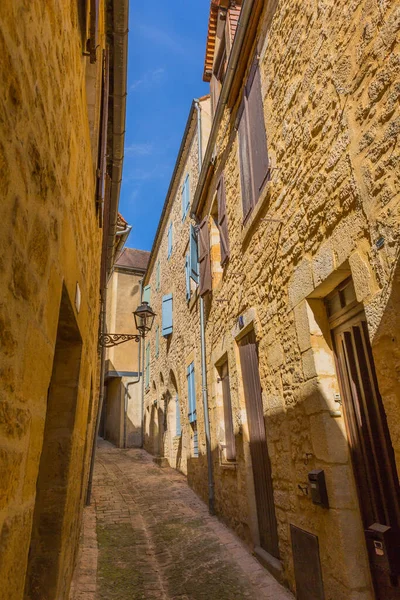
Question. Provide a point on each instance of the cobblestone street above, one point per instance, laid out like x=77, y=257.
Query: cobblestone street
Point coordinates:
x=147, y=536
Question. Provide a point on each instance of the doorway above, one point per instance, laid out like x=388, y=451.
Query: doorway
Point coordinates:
x=258, y=445
x=369, y=439
x=49, y=537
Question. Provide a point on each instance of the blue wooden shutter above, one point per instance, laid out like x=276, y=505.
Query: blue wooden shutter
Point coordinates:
x=178, y=417
x=193, y=255
x=146, y=293
x=157, y=340
x=195, y=443
x=170, y=240
x=191, y=393
x=187, y=277
x=167, y=315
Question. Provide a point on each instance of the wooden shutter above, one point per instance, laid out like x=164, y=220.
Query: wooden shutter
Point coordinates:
x=204, y=258
x=167, y=315
x=222, y=222
x=187, y=193
x=193, y=255
x=183, y=199
x=195, y=443
x=258, y=136
x=146, y=294
x=187, y=277
x=228, y=420
x=245, y=165
x=178, y=417
x=102, y=160
x=258, y=445
x=94, y=29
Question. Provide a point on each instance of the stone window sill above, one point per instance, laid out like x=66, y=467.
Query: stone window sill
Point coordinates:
x=256, y=214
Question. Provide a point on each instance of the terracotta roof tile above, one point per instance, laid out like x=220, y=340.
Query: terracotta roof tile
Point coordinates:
x=233, y=16
x=133, y=258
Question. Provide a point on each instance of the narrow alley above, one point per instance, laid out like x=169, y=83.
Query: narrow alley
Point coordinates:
x=147, y=535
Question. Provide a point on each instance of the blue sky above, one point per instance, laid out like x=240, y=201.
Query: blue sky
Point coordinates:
x=166, y=55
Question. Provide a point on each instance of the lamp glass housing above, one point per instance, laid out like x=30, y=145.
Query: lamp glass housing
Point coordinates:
x=144, y=318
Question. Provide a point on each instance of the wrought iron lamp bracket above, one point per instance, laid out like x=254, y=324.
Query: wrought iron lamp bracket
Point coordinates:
x=108, y=340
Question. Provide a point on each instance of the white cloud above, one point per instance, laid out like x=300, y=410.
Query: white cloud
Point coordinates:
x=139, y=149
x=148, y=79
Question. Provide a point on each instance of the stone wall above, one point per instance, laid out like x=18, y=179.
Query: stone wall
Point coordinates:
x=330, y=88
x=168, y=370
x=50, y=241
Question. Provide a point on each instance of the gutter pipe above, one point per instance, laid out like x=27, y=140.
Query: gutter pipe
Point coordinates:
x=231, y=70
x=211, y=495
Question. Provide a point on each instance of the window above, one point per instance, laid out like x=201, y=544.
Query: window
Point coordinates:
x=191, y=393
x=157, y=350
x=253, y=153
x=218, y=75
x=178, y=427
x=147, y=367
x=185, y=197
x=230, y=450
x=158, y=276
x=169, y=240
x=146, y=294
x=167, y=315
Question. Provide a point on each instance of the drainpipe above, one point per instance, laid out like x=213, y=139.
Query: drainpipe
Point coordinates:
x=211, y=506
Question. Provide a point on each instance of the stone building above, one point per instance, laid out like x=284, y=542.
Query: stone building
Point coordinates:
x=122, y=412
x=297, y=213
x=62, y=118
x=172, y=356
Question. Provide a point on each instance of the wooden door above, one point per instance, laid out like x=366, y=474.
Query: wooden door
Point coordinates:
x=258, y=446
x=370, y=446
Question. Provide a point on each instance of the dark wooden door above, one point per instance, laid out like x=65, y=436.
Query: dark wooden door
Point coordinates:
x=258, y=446
x=371, y=450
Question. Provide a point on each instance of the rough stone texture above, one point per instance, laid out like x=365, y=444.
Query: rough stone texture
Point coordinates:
x=155, y=539
x=49, y=238
x=168, y=370
x=330, y=88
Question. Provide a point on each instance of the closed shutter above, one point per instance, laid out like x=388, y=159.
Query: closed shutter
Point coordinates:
x=258, y=136
x=94, y=29
x=170, y=240
x=167, y=315
x=178, y=417
x=102, y=160
x=157, y=341
x=222, y=222
x=204, y=258
x=245, y=167
x=146, y=294
x=191, y=393
x=193, y=255
x=187, y=277
x=195, y=444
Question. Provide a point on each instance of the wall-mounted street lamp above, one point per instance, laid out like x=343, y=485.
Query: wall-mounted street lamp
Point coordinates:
x=144, y=319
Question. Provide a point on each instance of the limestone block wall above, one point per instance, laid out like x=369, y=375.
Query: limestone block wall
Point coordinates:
x=168, y=371
x=330, y=88
x=49, y=239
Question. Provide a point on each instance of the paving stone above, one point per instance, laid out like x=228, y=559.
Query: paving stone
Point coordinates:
x=147, y=536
